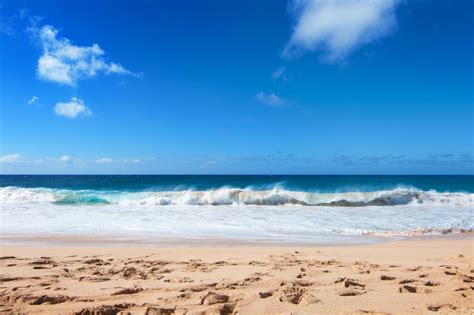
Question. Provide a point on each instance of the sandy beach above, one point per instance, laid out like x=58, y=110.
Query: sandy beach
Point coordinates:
x=417, y=276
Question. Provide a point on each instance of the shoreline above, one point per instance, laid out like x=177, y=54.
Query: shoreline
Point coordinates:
x=42, y=240
x=84, y=240
x=416, y=275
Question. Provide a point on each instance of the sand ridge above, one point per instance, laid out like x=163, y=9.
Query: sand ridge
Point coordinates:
x=419, y=277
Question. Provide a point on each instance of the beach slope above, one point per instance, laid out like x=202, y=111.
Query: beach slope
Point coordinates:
x=420, y=276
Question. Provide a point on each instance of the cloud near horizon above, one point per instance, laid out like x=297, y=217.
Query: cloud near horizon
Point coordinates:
x=338, y=27
x=72, y=109
x=11, y=158
x=65, y=159
x=271, y=163
x=65, y=63
x=404, y=160
x=104, y=161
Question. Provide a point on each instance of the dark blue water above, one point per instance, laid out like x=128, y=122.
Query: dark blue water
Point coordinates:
x=308, y=183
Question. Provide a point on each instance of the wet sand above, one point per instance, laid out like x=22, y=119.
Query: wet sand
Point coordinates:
x=418, y=276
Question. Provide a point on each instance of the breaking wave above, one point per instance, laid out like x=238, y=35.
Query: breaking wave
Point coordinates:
x=234, y=196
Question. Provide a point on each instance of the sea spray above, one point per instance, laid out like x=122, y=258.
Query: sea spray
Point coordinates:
x=233, y=196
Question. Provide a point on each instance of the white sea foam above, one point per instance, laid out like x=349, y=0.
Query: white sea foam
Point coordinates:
x=26, y=195
x=275, y=214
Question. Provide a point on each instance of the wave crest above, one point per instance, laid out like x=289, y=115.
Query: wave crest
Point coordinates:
x=233, y=196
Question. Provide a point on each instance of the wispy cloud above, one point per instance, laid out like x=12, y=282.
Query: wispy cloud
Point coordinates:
x=21, y=164
x=72, y=109
x=65, y=63
x=135, y=160
x=270, y=99
x=33, y=100
x=104, y=161
x=403, y=160
x=11, y=158
x=9, y=21
x=107, y=160
x=6, y=26
x=338, y=27
x=280, y=74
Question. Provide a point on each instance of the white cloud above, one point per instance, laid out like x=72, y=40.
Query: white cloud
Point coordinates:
x=280, y=74
x=104, y=160
x=65, y=63
x=72, y=109
x=33, y=100
x=107, y=160
x=337, y=27
x=270, y=99
x=11, y=158
x=134, y=160
x=65, y=159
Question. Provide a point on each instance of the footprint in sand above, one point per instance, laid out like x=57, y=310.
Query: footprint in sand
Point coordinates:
x=353, y=283
x=96, y=261
x=352, y=292
x=298, y=295
x=438, y=307
x=413, y=289
x=266, y=294
x=467, y=279
x=407, y=281
x=48, y=283
x=432, y=283
x=249, y=280
x=184, y=296
x=214, y=298
x=163, y=311
x=105, y=309
x=160, y=270
x=43, y=261
x=179, y=280
x=200, y=287
x=94, y=279
x=387, y=278
x=298, y=283
x=132, y=290
x=348, y=282
x=8, y=279
x=127, y=272
x=42, y=299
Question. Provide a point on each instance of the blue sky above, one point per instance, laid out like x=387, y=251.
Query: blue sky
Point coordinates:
x=298, y=87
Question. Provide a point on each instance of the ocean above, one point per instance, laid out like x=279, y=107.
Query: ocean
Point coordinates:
x=296, y=209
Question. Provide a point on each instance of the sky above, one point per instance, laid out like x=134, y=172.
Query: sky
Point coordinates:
x=236, y=87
